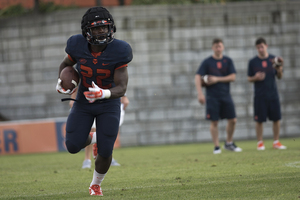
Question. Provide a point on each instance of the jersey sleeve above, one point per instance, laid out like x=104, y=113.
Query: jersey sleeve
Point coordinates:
x=71, y=46
x=231, y=69
x=125, y=56
x=202, y=69
x=250, y=69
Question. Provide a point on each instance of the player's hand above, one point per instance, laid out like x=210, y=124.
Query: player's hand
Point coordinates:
x=260, y=76
x=125, y=101
x=96, y=93
x=62, y=90
x=201, y=99
x=212, y=80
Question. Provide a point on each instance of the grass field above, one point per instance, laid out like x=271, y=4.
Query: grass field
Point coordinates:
x=186, y=171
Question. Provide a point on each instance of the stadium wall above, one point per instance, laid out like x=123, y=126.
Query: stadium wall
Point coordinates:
x=169, y=42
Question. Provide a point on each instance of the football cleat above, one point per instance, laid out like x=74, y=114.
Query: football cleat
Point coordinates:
x=232, y=147
x=260, y=146
x=278, y=145
x=95, y=150
x=86, y=164
x=95, y=190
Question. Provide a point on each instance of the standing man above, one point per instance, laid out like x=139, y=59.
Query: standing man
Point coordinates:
x=266, y=100
x=218, y=71
x=101, y=62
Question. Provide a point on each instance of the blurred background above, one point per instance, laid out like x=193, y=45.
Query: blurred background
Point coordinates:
x=169, y=38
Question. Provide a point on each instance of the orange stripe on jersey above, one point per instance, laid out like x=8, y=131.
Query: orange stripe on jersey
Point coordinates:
x=121, y=66
x=70, y=58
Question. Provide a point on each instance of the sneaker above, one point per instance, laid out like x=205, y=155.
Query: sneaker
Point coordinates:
x=95, y=190
x=278, y=145
x=114, y=162
x=232, y=147
x=217, y=150
x=86, y=164
x=260, y=146
x=95, y=150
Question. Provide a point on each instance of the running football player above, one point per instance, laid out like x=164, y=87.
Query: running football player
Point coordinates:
x=262, y=73
x=101, y=62
x=218, y=71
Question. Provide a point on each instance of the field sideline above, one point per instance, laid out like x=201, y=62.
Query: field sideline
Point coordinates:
x=185, y=171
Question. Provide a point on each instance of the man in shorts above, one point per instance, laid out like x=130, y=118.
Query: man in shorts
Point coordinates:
x=262, y=71
x=216, y=72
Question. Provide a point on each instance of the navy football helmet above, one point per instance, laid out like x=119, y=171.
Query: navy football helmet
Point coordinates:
x=95, y=17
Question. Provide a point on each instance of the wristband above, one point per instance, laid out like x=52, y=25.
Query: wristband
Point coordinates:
x=107, y=94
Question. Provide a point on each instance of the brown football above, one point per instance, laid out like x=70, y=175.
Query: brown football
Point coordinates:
x=277, y=61
x=69, y=78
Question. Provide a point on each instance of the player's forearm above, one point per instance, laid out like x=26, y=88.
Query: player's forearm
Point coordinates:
x=225, y=79
x=279, y=73
x=118, y=91
x=252, y=79
x=198, y=84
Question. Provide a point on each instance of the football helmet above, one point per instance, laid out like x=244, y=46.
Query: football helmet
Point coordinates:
x=95, y=17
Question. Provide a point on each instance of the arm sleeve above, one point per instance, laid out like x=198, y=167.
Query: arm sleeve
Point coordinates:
x=125, y=56
x=70, y=48
x=202, y=69
x=231, y=68
x=250, y=69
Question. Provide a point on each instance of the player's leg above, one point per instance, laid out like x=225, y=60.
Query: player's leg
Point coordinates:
x=227, y=111
x=107, y=130
x=87, y=157
x=88, y=149
x=231, y=123
x=260, y=116
x=78, y=127
x=212, y=114
x=275, y=116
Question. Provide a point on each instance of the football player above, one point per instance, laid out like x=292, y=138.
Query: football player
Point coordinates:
x=218, y=71
x=262, y=72
x=101, y=61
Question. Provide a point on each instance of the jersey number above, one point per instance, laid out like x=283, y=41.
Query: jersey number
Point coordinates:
x=87, y=72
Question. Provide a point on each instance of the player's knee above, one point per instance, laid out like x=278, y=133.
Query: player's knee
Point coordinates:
x=105, y=154
x=72, y=148
x=233, y=121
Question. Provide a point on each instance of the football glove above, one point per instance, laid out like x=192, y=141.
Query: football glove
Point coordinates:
x=62, y=90
x=96, y=93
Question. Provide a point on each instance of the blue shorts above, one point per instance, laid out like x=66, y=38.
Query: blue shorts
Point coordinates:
x=80, y=121
x=220, y=108
x=264, y=108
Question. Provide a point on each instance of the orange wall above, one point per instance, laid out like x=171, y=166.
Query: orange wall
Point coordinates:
x=80, y=3
x=32, y=137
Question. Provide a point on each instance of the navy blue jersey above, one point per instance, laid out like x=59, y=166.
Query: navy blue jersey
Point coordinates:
x=222, y=67
x=97, y=67
x=266, y=88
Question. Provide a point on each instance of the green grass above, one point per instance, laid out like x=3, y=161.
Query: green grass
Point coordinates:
x=187, y=171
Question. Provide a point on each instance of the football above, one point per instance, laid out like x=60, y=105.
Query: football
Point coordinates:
x=69, y=78
x=204, y=80
x=277, y=61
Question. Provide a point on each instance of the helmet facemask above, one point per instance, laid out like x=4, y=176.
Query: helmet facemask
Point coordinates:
x=100, y=39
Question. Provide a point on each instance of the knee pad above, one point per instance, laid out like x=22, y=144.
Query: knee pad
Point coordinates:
x=72, y=148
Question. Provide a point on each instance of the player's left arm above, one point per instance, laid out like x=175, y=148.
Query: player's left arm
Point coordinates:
x=222, y=79
x=121, y=80
x=279, y=71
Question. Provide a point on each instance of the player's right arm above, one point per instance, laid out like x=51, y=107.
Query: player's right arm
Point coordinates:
x=66, y=62
x=201, y=97
x=254, y=76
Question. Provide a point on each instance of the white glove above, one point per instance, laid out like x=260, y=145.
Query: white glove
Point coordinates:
x=62, y=90
x=96, y=93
